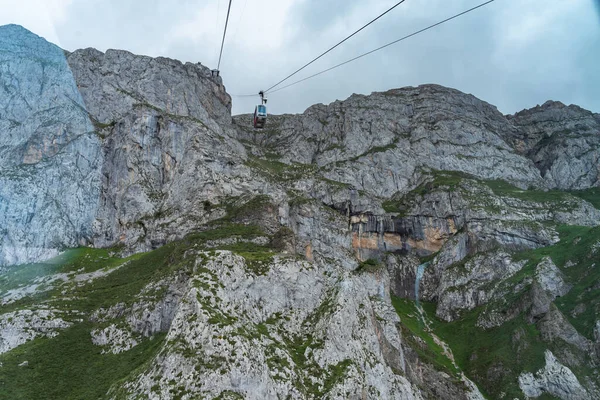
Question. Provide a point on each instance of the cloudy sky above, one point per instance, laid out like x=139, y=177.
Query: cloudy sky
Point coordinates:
x=512, y=53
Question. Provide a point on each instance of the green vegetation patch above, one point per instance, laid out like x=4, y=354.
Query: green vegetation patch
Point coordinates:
x=369, y=266
x=80, y=260
x=124, y=284
x=578, y=255
x=493, y=358
x=395, y=206
x=505, y=189
x=120, y=285
x=229, y=395
x=448, y=180
x=258, y=258
x=226, y=230
x=376, y=149
x=279, y=171
x=591, y=195
x=25, y=274
x=308, y=368
x=69, y=366
x=251, y=208
x=577, y=259
x=335, y=184
x=417, y=336
x=240, y=221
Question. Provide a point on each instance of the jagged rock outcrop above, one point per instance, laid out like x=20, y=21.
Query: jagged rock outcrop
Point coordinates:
x=466, y=286
x=554, y=379
x=50, y=156
x=115, y=339
x=562, y=141
x=551, y=279
x=458, y=217
x=19, y=327
x=289, y=332
x=382, y=142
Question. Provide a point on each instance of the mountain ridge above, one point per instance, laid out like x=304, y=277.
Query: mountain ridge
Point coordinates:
x=339, y=253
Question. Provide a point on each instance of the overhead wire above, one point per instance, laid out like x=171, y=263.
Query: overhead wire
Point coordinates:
x=233, y=38
x=330, y=49
x=386, y=45
x=224, y=33
x=239, y=21
x=217, y=26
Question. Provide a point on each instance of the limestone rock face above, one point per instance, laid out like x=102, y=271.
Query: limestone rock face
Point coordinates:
x=554, y=379
x=19, y=327
x=118, y=340
x=467, y=286
x=460, y=221
x=291, y=331
x=554, y=325
x=167, y=147
x=381, y=143
x=50, y=157
x=551, y=279
x=563, y=142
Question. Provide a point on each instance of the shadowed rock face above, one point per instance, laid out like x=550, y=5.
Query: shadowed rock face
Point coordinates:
x=420, y=234
x=433, y=215
x=50, y=156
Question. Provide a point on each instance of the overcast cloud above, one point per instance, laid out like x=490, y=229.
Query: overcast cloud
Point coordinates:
x=512, y=53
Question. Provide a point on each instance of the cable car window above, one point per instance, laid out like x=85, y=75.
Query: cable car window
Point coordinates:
x=262, y=109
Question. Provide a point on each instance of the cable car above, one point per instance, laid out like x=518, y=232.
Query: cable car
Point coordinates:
x=260, y=112
x=260, y=116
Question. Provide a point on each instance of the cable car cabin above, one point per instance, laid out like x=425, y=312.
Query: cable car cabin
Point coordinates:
x=260, y=116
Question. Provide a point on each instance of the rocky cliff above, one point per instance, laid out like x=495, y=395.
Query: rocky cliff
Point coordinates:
x=50, y=156
x=409, y=244
x=562, y=141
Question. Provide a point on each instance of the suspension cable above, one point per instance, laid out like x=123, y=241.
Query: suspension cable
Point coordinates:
x=224, y=33
x=386, y=45
x=217, y=27
x=348, y=37
x=239, y=21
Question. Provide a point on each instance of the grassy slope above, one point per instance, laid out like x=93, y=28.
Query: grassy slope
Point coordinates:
x=478, y=351
x=82, y=260
x=70, y=366
x=494, y=358
x=591, y=195
x=417, y=336
x=451, y=180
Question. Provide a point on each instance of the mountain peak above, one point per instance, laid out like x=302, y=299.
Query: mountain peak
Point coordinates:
x=14, y=31
x=21, y=42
